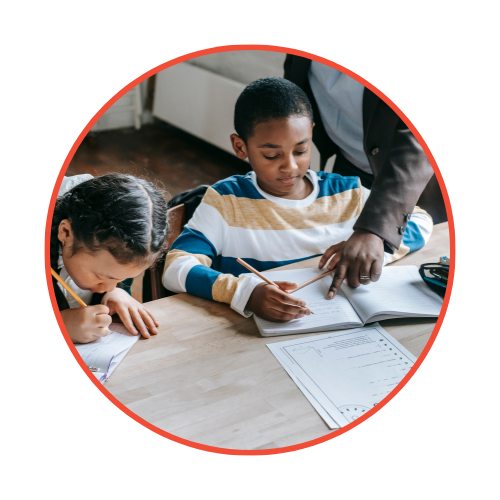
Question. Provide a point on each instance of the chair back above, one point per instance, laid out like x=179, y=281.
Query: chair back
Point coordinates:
x=177, y=221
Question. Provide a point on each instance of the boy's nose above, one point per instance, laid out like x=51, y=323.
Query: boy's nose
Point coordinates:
x=289, y=164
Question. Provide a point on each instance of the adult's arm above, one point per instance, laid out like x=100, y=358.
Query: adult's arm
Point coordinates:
x=401, y=170
x=396, y=189
x=384, y=218
x=381, y=225
x=400, y=166
x=360, y=263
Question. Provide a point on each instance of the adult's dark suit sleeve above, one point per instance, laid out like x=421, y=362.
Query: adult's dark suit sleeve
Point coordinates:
x=396, y=189
x=400, y=167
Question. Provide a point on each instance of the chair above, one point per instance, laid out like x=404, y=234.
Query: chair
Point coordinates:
x=153, y=288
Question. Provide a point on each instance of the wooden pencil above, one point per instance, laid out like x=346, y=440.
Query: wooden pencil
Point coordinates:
x=262, y=277
x=308, y=282
x=70, y=291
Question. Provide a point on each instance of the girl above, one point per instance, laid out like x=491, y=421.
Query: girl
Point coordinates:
x=105, y=230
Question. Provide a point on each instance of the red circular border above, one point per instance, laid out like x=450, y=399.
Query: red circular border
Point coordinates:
x=269, y=48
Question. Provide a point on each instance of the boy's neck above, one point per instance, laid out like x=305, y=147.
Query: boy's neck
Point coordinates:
x=303, y=189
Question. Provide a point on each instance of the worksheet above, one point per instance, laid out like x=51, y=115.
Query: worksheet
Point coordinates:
x=323, y=413
x=345, y=373
x=103, y=355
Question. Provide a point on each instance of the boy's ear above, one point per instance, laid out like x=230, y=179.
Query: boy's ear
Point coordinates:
x=65, y=233
x=239, y=146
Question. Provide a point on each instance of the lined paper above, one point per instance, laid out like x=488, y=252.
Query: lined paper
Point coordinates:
x=400, y=291
x=326, y=312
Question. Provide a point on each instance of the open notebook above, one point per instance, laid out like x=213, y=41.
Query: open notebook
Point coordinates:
x=103, y=355
x=400, y=292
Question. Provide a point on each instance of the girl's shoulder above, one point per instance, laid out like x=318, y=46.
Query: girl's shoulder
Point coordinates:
x=69, y=183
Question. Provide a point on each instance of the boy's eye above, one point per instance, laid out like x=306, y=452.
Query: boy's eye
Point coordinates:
x=301, y=152
x=271, y=157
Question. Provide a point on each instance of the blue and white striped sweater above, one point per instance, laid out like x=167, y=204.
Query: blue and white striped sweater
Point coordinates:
x=237, y=219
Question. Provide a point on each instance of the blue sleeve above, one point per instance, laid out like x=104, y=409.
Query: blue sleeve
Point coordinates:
x=187, y=251
x=412, y=237
x=194, y=241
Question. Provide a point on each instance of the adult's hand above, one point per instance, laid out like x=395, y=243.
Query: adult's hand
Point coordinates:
x=359, y=260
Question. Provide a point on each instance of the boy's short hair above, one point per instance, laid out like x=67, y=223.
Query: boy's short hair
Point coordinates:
x=269, y=99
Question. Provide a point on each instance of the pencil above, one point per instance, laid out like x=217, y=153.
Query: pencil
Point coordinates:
x=261, y=276
x=70, y=291
x=308, y=282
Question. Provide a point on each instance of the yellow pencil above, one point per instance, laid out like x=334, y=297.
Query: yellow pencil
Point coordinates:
x=262, y=277
x=308, y=282
x=70, y=291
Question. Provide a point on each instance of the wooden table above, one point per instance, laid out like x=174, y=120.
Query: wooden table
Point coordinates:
x=208, y=376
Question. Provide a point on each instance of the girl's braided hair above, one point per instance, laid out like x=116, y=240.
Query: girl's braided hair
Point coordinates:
x=120, y=213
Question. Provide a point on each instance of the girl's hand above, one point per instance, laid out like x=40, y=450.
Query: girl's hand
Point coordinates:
x=134, y=315
x=86, y=324
x=273, y=304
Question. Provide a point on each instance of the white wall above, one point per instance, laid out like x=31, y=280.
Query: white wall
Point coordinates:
x=199, y=95
x=243, y=66
x=198, y=101
x=120, y=115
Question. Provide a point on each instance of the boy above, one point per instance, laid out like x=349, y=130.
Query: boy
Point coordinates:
x=279, y=213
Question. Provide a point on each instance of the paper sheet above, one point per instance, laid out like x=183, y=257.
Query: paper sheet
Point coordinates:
x=322, y=412
x=107, y=352
x=345, y=373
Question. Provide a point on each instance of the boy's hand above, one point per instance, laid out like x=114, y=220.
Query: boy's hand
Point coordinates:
x=86, y=324
x=273, y=304
x=134, y=315
x=361, y=255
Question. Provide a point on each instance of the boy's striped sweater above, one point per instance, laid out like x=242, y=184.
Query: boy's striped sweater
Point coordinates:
x=237, y=219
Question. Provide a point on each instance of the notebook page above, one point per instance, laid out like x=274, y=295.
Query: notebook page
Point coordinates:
x=102, y=352
x=327, y=313
x=400, y=291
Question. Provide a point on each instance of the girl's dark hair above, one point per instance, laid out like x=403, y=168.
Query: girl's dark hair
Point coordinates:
x=120, y=213
x=269, y=99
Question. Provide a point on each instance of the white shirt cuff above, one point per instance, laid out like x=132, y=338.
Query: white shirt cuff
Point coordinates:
x=242, y=294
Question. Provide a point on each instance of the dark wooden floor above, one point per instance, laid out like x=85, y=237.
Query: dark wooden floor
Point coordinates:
x=173, y=159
